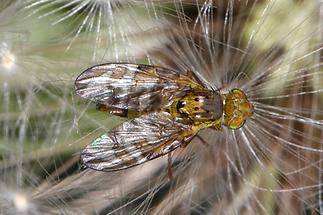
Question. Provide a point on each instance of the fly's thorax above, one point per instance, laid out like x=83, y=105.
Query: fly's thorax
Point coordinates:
x=237, y=109
x=199, y=106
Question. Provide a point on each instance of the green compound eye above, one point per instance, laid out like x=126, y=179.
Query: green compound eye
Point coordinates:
x=236, y=109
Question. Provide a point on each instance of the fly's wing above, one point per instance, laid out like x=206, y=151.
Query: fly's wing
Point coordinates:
x=137, y=141
x=117, y=88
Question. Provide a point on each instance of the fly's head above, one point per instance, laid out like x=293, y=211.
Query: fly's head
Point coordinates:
x=237, y=109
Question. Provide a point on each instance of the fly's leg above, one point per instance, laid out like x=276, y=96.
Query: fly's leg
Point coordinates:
x=216, y=124
x=203, y=141
x=195, y=129
x=190, y=74
x=118, y=111
x=217, y=127
x=208, y=148
x=189, y=135
x=169, y=168
x=194, y=77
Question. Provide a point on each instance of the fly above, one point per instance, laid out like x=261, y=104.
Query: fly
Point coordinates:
x=166, y=110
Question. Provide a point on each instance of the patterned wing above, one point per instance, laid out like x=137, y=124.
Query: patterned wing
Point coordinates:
x=137, y=141
x=135, y=87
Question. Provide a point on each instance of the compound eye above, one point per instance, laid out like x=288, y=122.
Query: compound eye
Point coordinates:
x=237, y=109
x=236, y=122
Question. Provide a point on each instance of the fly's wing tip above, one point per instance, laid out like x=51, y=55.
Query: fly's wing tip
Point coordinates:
x=95, y=158
x=87, y=164
x=83, y=167
x=78, y=86
x=81, y=76
x=84, y=160
x=87, y=159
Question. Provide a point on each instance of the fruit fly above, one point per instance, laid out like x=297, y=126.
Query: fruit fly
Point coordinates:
x=166, y=110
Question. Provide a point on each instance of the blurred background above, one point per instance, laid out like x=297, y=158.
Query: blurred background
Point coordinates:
x=270, y=49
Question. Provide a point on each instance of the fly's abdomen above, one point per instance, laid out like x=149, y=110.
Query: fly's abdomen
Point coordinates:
x=198, y=106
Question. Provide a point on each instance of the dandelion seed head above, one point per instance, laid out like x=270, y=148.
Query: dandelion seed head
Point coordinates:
x=249, y=170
